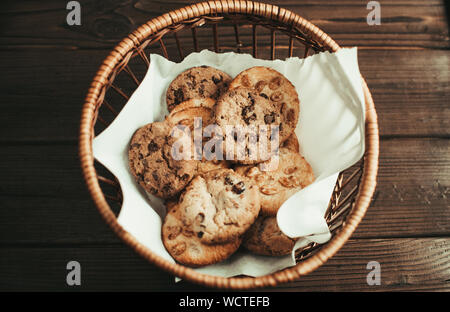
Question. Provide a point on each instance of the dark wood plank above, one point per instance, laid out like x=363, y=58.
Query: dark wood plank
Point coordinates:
x=403, y=23
x=412, y=197
x=42, y=191
x=410, y=90
x=43, y=91
x=53, y=220
x=406, y=265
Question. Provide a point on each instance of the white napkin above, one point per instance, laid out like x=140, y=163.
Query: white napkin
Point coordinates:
x=330, y=131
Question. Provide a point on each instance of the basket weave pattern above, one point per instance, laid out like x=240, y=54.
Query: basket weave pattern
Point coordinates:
x=108, y=93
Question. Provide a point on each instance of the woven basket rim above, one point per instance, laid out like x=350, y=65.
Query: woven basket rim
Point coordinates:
x=368, y=179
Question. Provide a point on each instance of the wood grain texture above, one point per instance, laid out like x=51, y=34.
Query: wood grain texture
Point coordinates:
x=410, y=90
x=419, y=24
x=412, y=198
x=43, y=192
x=406, y=264
x=47, y=217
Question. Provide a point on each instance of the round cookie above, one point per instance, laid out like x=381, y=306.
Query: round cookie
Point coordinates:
x=274, y=86
x=186, y=248
x=153, y=166
x=279, y=180
x=265, y=238
x=247, y=112
x=196, y=82
x=219, y=206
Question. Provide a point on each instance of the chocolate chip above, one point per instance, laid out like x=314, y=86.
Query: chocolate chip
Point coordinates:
x=135, y=145
x=204, y=66
x=217, y=79
x=252, y=99
x=152, y=147
x=179, y=95
x=184, y=177
x=200, y=234
x=246, y=110
x=269, y=118
x=264, y=95
x=217, y=94
x=167, y=188
x=155, y=176
x=250, y=118
x=228, y=181
x=238, y=188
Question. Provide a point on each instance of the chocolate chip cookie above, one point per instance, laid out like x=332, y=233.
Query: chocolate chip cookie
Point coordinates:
x=282, y=178
x=219, y=206
x=196, y=82
x=265, y=238
x=186, y=247
x=278, y=90
x=251, y=125
x=152, y=164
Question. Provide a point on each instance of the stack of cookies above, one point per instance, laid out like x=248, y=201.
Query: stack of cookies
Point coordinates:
x=217, y=204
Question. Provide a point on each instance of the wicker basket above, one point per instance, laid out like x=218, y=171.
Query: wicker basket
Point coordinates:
x=197, y=25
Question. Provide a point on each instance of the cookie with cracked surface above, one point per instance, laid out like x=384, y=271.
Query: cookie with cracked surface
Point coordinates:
x=196, y=83
x=219, y=206
x=152, y=164
x=186, y=248
x=277, y=89
x=279, y=180
x=245, y=110
x=265, y=238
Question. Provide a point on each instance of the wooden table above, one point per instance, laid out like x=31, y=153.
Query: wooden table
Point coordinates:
x=47, y=218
